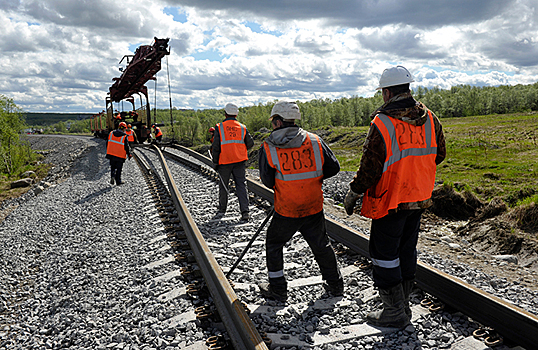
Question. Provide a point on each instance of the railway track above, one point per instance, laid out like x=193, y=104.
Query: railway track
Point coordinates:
x=208, y=245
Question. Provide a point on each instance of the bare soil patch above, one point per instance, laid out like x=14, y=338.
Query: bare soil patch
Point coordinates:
x=475, y=242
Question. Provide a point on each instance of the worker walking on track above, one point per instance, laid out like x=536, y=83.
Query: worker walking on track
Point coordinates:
x=229, y=149
x=294, y=163
x=396, y=175
x=117, y=150
x=131, y=135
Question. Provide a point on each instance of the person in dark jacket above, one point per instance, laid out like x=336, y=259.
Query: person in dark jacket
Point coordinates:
x=294, y=163
x=396, y=176
x=231, y=142
x=117, y=150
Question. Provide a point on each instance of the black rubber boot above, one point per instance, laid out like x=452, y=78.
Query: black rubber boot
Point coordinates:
x=269, y=291
x=392, y=314
x=335, y=288
x=407, y=289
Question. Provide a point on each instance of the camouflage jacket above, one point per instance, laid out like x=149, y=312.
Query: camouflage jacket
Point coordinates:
x=407, y=109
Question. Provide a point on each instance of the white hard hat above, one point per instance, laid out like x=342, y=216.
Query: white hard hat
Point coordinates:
x=288, y=110
x=231, y=109
x=395, y=76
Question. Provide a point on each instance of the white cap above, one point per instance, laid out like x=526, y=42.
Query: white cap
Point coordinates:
x=395, y=76
x=231, y=109
x=288, y=110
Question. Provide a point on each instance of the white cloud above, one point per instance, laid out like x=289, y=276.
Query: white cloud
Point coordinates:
x=61, y=55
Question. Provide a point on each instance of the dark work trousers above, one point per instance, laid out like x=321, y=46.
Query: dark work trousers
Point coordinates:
x=313, y=230
x=238, y=172
x=393, y=247
x=116, y=164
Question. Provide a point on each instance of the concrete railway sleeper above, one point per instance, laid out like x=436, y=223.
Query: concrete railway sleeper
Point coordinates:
x=312, y=319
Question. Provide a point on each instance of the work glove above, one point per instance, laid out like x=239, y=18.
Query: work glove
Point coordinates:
x=350, y=200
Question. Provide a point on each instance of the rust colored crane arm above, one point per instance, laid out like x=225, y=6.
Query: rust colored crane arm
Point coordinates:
x=145, y=63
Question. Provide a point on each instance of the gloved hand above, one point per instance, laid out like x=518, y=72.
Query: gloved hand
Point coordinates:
x=350, y=200
x=130, y=156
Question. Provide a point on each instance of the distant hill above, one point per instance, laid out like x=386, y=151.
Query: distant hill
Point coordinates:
x=32, y=118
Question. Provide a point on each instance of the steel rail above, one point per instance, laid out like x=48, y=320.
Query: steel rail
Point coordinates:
x=512, y=322
x=241, y=330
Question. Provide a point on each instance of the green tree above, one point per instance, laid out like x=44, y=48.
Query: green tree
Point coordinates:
x=14, y=153
x=80, y=126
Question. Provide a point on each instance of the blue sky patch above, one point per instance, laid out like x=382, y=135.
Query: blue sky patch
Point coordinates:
x=212, y=55
x=133, y=47
x=177, y=14
x=257, y=28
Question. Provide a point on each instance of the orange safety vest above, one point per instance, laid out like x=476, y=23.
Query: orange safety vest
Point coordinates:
x=116, y=146
x=130, y=135
x=298, y=177
x=232, y=142
x=409, y=169
x=158, y=132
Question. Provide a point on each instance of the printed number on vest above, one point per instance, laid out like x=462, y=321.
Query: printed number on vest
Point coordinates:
x=297, y=161
x=232, y=131
x=410, y=135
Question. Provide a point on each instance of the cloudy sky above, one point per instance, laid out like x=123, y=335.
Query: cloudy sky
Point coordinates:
x=61, y=55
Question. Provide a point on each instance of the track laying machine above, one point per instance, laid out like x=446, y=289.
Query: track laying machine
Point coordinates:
x=141, y=67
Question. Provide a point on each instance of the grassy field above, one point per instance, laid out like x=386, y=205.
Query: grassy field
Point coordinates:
x=491, y=156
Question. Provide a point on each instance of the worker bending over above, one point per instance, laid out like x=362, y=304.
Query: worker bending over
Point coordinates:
x=158, y=133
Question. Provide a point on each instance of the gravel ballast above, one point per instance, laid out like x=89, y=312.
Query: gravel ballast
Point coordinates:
x=73, y=261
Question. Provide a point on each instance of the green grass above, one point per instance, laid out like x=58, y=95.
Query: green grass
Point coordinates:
x=493, y=156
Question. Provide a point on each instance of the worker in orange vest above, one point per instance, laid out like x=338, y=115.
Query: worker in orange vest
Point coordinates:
x=158, y=133
x=131, y=135
x=396, y=175
x=212, y=132
x=294, y=163
x=117, y=120
x=229, y=149
x=117, y=150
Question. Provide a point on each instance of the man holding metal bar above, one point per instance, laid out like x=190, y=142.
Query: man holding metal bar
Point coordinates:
x=294, y=163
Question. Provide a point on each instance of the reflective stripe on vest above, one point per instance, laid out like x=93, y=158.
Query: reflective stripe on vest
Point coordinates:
x=298, y=177
x=398, y=154
x=116, y=146
x=409, y=169
x=158, y=132
x=232, y=142
x=130, y=136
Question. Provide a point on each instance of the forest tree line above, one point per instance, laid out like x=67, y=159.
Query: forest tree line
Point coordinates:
x=190, y=126
x=459, y=101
